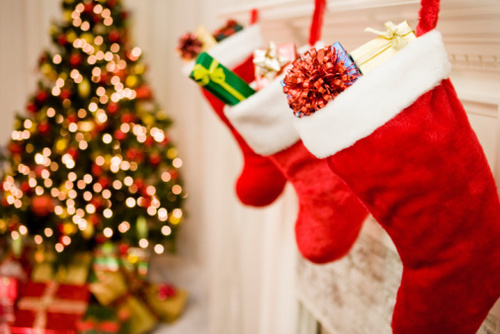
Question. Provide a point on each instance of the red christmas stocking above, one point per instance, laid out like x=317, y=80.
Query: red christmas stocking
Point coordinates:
x=400, y=139
x=330, y=216
x=260, y=182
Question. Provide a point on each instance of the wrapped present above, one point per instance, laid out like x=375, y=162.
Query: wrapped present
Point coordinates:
x=192, y=44
x=271, y=62
x=135, y=263
x=8, y=296
x=74, y=273
x=100, y=320
x=221, y=82
x=231, y=28
x=317, y=77
x=106, y=258
x=140, y=318
x=388, y=43
x=166, y=301
x=108, y=287
x=50, y=308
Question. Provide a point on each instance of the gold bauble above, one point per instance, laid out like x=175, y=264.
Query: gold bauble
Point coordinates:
x=84, y=88
x=71, y=36
x=88, y=37
x=61, y=145
x=69, y=228
x=132, y=81
x=88, y=232
x=67, y=16
x=138, y=69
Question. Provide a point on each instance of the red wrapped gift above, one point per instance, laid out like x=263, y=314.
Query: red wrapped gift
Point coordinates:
x=50, y=308
x=8, y=296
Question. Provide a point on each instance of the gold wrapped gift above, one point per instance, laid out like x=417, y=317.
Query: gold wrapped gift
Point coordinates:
x=141, y=319
x=388, y=43
x=167, y=309
x=75, y=273
x=109, y=287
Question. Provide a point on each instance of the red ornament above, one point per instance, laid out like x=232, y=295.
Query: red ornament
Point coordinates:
x=62, y=40
x=123, y=248
x=149, y=141
x=43, y=58
x=15, y=148
x=65, y=94
x=94, y=219
x=155, y=159
x=72, y=118
x=25, y=187
x=104, y=181
x=136, y=155
x=43, y=127
x=98, y=202
x=143, y=92
x=173, y=174
x=96, y=18
x=124, y=14
x=31, y=107
x=75, y=60
x=96, y=170
x=114, y=36
x=42, y=205
x=128, y=118
x=111, y=3
x=73, y=151
x=113, y=108
x=88, y=8
x=38, y=170
x=41, y=96
x=118, y=134
x=104, y=78
x=139, y=183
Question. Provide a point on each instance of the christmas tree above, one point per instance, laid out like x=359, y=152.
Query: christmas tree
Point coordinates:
x=90, y=160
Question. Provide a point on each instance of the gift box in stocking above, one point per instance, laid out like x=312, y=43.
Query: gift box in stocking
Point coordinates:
x=400, y=139
x=50, y=308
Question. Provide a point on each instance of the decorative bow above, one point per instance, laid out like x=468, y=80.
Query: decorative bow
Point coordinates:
x=395, y=34
x=214, y=74
x=269, y=62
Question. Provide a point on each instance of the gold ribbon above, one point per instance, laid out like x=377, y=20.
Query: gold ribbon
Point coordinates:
x=214, y=74
x=395, y=34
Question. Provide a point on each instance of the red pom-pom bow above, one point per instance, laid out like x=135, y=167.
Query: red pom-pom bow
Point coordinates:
x=317, y=77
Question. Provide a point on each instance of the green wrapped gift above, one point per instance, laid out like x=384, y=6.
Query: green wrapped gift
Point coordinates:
x=218, y=80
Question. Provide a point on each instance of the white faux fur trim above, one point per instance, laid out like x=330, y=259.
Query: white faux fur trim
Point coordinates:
x=233, y=50
x=265, y=120
x=377, y=97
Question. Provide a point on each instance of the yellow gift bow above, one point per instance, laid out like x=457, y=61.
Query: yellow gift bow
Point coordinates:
x=390, y=41
x=395, y=34
x=215, y=74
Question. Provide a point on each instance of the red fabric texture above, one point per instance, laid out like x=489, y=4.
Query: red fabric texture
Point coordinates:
x=428, y=16
x=330, y=216
x=260, y=182
x=424, y=177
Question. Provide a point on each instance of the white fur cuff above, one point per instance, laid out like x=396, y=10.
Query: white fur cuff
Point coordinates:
x=377, y=97
x=265, y=120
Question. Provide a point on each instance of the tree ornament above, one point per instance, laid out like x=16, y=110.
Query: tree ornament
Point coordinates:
x=84, y=88
x=65, y=94
x=119, y=135
x=113, y=108
x=143, y=92
x=42, y=205
x=43, y=127
x=75, y=60
x=155, y=158
x=62, y=40
x=31, y=107
x=114, y=36
x=41, y=96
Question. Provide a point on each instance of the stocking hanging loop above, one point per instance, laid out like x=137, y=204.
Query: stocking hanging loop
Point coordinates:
x=317, y=21
x=428, y=16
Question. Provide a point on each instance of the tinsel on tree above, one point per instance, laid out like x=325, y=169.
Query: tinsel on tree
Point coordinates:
x=90, y=160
